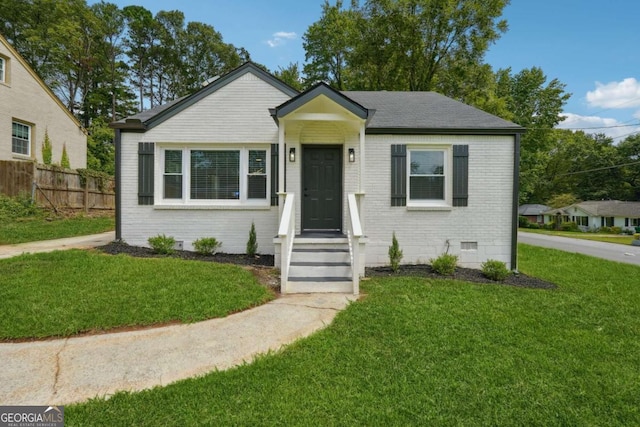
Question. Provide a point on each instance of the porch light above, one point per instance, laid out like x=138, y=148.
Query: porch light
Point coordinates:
x=352, y=155
x=292, y=154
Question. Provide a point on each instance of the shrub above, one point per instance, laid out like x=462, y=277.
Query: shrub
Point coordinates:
x=445, y=264
x=162, y=244
x=17, y=207
x=47, y=149
x=206, y=245
x=395, y=254
x=534, y=226
x=523, y=222
x=549, y=226
x=64, y=161
x=495, y=270
x=569, y=226
x=616, y=230
x=636, y=236
x=252, y=243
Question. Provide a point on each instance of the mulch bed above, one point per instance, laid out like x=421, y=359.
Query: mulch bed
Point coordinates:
x=464, y=274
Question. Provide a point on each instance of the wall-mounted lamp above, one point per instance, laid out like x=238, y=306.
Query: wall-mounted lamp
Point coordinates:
x=292, y=154
x=352, y=155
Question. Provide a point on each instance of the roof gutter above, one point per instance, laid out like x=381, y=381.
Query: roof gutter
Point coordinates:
x=445, y=131
x=516, y=194
x=129, y=124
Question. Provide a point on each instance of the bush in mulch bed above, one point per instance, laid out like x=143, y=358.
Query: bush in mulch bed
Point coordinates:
x=115, y=248
x=464, y=274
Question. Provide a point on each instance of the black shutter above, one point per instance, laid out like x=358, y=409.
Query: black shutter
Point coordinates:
x=626, y=222
x=145, y=173
x=398, y=175
x=275, y=164
x=460, y=175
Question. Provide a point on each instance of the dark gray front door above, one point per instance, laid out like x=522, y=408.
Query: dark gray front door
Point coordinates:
x=322, y=188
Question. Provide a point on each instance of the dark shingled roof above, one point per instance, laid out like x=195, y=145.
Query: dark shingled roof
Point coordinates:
x=426, y=110
x=605, y=208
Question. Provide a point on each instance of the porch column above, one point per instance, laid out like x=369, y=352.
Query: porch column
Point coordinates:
x=281, y=165
x=362, y=160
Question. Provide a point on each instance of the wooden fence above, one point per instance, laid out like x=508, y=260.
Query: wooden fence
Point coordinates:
x=56, y=188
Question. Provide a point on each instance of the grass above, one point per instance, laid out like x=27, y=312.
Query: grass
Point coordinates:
x=63, y=293
x=608, y=238
x=39, y=228
x=433, y=352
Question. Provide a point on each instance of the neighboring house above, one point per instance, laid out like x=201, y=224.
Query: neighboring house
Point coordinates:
x=593, y=215
x=533, y=213
x=28, y=108
x=342, y=171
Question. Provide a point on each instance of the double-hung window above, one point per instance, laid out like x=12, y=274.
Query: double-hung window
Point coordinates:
x=215, y=176
x=3, y=70
x=20, y=139
x=428, y=176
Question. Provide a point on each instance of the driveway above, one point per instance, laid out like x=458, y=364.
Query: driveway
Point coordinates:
x=611, y=251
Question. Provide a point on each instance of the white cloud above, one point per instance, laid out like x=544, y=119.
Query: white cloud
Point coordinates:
x=280, y=38
x=594, y=124
x=624, y=94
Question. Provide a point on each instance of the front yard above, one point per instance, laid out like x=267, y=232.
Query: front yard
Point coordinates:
x=64, y=293
x=418, y=351
x=621, y=239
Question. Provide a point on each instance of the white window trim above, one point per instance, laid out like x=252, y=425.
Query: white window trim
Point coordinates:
x=30, y=140
x=447, y=202
x=3, y=70
x=186, y=201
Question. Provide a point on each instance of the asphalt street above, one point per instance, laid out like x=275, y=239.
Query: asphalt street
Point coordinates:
x=611, y=251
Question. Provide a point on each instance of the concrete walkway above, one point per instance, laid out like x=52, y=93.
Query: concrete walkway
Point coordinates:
x=63, y=371
x=71, y=370
x=81, y=242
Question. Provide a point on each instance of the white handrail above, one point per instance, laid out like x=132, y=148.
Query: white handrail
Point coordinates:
x=354, y=233
x=286, y=233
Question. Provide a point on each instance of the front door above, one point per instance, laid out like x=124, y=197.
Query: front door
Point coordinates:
x=322, y=188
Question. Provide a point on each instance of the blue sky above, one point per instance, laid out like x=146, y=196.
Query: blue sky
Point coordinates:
x=593, y=46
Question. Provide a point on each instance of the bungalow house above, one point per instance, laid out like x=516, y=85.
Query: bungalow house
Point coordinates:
x=533, y=213
x=28, y=109
x=326, y=177
x=596, y=214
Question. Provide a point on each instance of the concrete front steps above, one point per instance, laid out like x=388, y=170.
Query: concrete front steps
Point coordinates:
x=320, y=265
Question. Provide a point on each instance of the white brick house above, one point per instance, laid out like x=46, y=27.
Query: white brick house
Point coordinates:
x=325, y=176
x=28, y=109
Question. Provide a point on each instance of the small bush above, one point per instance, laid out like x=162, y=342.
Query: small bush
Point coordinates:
x=17, y=207
x=534, y=226
x=162, y=244
x=252, y=243
x=549, y=226
x=616, y=230
x=445, y=264
x=636, y=236
x=569, y=226
x=64, y=161
x=523, y=222
x=395, y=254
x=207, y=245
x=47, y=149
x=495, y=270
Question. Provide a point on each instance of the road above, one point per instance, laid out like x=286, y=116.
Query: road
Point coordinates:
x=611, y=251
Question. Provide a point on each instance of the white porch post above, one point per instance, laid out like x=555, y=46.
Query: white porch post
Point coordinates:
x=362, y=178
x=282, y=156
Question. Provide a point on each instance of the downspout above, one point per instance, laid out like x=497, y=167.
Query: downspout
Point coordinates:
x=118, y=155
x=516, y=199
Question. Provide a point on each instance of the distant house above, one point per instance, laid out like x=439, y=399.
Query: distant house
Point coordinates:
x=28, y=108
x=593, y=215
x=534, y=213
x=326, y=176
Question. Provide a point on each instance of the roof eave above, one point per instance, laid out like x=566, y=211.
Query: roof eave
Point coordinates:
x=444, y=131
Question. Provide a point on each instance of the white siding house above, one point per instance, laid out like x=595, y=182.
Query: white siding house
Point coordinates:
x=28, y=109
x=326, y=177
x=596, y=214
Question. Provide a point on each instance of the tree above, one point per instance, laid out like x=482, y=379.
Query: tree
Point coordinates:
x=290, y=75
x=100, y=148
x=47, y=149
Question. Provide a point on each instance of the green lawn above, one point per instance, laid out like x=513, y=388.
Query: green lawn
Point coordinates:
x=609, y=238
x=38, y=228
x=433, y=352
x=63, y=293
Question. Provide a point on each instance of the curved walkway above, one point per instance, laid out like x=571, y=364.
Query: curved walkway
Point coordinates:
x=63, y=371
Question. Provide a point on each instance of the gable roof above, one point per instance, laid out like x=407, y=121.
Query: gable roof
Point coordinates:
x=41, y=82
x=419, y=112
x=604, y=208
x=153, y=117
x=318, y=90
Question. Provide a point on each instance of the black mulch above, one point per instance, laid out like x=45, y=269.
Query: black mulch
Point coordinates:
x=115, y=248
x=465, y=274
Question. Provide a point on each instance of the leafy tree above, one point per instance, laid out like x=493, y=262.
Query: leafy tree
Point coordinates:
x=290, y=75
x=562, y=200
x=100, y=148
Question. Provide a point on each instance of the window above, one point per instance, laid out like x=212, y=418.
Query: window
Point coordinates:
x=173, y=174
x=582, y=220
x=427, y=175
x=3, y=70
x=20, y=139
x=606, y=221
x=635, y=222
x=226, y=176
